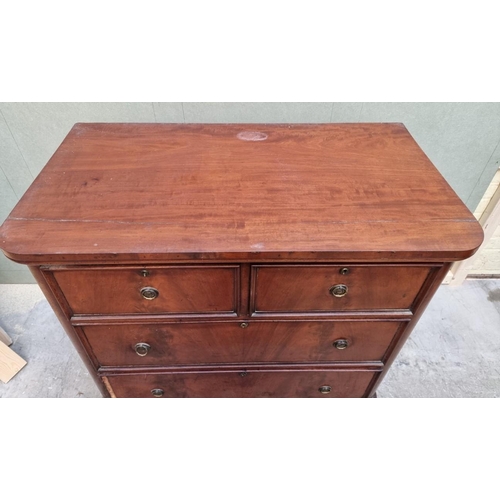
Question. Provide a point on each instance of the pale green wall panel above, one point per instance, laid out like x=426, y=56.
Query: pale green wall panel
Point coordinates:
x=168, y=112
x=258, y=112
x=16, y=277
x=346, y=112
x=39, y=128
x=9, y=265
x=12, y=272
x=12, y=162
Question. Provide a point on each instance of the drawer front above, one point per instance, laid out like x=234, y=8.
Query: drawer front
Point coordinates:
x=326, y=288
x=181, y=290
x=244, y=384
x=198, y=343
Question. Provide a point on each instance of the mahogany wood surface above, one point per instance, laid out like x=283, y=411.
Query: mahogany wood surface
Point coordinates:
x=181, y=290
x=375, y=314
x=262, y=341
x=157, y=192
x=307, y=288
x=245, y=383
x=237, y=224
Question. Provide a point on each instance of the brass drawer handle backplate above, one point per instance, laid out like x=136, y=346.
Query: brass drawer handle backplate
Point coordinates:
x=149, y=293
x=142, y=349
x=339, y=290
x=341, y=344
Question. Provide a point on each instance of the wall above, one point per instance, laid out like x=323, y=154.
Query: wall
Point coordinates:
x=461, y=139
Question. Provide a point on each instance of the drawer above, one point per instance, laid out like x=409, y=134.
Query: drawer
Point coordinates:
x=260, y=341
x=335, y=288
x=242, y=383
x=174, y=290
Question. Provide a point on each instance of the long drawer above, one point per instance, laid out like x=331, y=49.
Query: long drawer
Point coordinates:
x=316, y=288
x=154, y=290
x=244, y=383
x=244, y=342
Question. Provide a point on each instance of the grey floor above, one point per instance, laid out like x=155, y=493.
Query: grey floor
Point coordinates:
x=453, y=352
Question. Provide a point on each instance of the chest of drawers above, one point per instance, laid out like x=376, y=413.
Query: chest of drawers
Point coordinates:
x=239, y=260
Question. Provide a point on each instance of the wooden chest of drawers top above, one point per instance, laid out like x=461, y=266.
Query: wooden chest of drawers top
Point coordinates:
x=133, y=193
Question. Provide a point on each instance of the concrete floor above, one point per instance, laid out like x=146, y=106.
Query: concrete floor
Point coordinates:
x=453, y=352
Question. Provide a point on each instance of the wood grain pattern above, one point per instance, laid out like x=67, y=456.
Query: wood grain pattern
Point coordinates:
x=4, y=337
x=185, y=289
x=138, y=192
x=203, y=343
x=239, y=224
x=255, y=384
x=10, y=363
x=106, y=383
x=307, y=288
x=376, y=315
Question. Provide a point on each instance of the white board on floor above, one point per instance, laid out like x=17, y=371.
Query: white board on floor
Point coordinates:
x=10, y=363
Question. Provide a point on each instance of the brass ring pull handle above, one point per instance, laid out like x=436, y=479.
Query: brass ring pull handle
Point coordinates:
x=341, y=344
x=157, y=393
x=142, y=349
x=244, y=325
x=339, y=290
x=149, y=293
x=325, y=389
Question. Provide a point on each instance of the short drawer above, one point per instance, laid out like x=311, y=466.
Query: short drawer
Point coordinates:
x=335, y=288
x=174, y=290
x=257, y=341
x=244, y=383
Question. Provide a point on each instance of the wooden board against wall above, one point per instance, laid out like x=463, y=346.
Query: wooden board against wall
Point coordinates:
x=486, y=262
